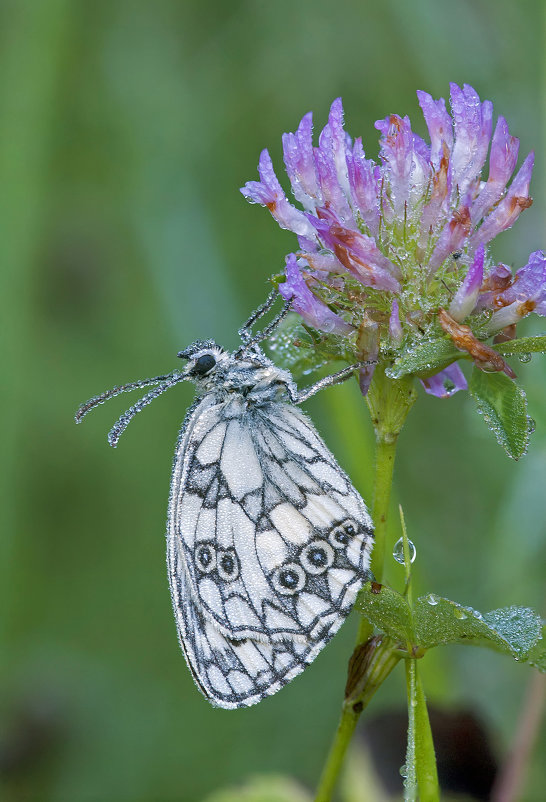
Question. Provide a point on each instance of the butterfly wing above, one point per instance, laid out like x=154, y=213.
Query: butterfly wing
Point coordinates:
x=269, y=544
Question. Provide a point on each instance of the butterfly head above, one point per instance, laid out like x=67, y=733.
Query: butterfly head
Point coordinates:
x=203, y=356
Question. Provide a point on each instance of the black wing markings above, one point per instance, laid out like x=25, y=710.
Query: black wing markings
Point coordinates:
x=239, y=665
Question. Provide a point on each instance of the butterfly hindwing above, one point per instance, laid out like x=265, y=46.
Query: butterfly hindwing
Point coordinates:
x=268, y=546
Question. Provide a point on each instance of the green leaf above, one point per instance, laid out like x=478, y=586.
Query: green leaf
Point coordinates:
x=515, y=631
x=387, y=610
x=425, y=359
x=524, y=345
x=537, y=655
x=504, y=408
x=421, y=781
x=520, y=627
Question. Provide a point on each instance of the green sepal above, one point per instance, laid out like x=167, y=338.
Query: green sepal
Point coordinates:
x=276, y=279
x=425, y=359
x=301, y=349
x=524, y=345
x=503, y=405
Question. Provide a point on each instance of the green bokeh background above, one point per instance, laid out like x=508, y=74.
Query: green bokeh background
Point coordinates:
x=127, y=128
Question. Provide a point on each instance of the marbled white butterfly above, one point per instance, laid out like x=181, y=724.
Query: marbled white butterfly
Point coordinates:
x=268, y=542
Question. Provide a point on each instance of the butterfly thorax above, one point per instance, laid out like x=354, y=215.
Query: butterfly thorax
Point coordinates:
x=253, y=377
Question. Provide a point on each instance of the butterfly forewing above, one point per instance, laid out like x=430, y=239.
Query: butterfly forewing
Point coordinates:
x=269, y=544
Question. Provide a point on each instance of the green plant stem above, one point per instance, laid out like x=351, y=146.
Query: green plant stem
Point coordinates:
x=389, y=402
x=407, y=561
x=384, y=456
x=381, y=660
x=410, y=775
x=342, y=738
x=385, y=451
x=384, y=465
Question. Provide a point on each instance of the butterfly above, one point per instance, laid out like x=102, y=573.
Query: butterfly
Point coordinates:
x=268, y=542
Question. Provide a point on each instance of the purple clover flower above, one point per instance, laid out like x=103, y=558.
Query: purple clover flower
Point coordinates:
x=386, y=248
x=311, y=309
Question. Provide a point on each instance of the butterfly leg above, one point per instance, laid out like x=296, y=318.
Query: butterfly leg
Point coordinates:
x=299, y=396
x=245, y=332
x=249, y=340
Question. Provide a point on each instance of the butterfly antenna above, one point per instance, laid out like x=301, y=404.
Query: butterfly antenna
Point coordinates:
x=123, y=388
x=122, y=423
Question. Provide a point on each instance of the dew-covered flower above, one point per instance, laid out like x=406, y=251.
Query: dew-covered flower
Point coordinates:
x=393, y=254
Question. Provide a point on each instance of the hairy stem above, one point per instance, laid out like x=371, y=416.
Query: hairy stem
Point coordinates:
x=385, y=451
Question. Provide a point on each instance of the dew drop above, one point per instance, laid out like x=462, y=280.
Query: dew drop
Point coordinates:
x=525, y=357
x=460, y=614
x=432, y=599
x=398, y=551
x=531, y=425
x=403, y=770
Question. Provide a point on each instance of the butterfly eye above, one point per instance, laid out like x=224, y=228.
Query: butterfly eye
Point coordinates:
x=289, y=579
x=317, y=557
x=202, y=365
x=227, y=565
x=205, y=557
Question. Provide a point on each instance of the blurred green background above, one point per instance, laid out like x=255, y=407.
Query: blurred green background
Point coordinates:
x=127, y=128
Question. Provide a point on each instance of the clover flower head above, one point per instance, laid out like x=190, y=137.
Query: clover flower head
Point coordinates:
x=394, y=253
